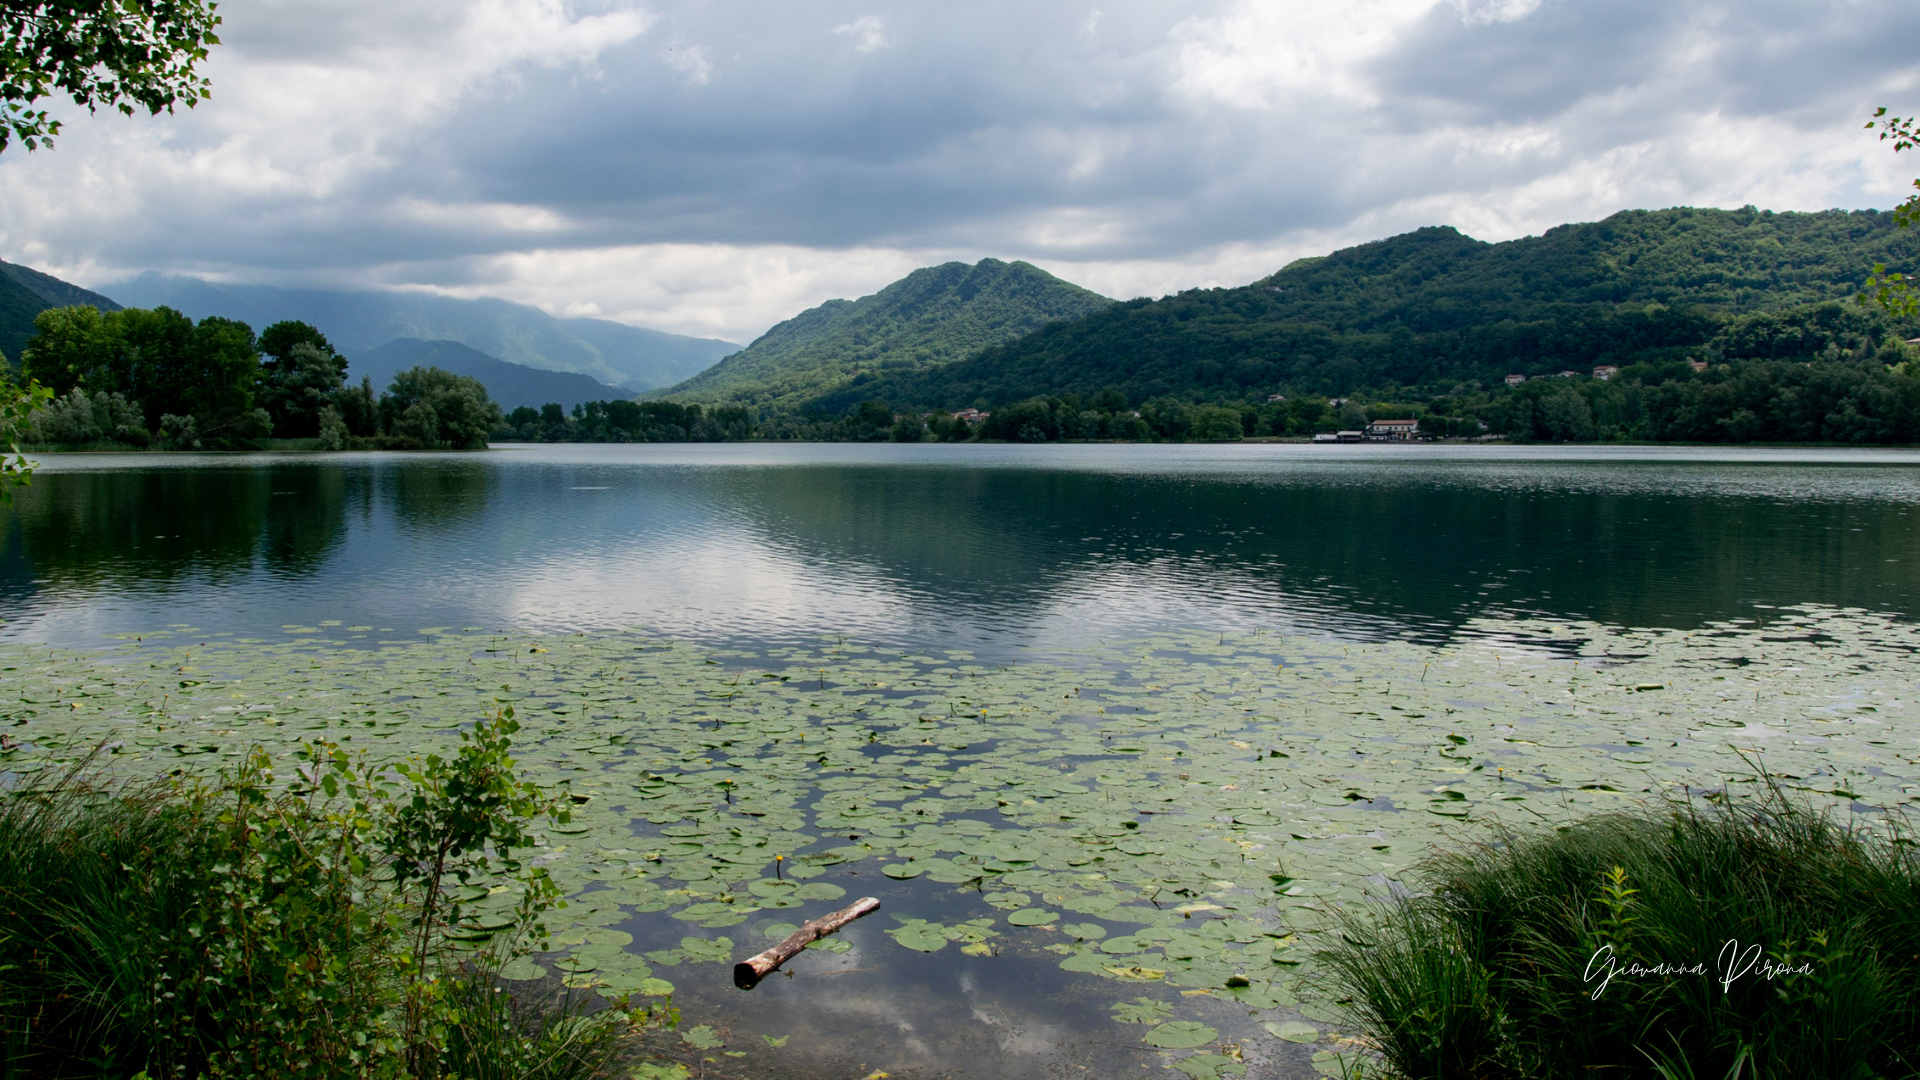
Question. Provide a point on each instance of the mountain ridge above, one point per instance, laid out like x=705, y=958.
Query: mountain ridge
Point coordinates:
x=359, y=321
x=1434, y=307
x=25, y=293
x=933, y=316
x=510, y=385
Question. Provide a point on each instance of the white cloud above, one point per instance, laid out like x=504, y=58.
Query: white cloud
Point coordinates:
x=712, y=169
x=868, y=33
x=690, y=61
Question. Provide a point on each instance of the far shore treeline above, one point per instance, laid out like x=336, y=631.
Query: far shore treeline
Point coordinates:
x=1828, y=373
x=155, y=378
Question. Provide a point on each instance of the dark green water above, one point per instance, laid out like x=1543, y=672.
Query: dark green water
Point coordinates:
x=1001, y=548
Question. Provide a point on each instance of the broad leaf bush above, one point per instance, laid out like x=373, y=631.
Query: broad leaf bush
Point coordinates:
x=261, y=924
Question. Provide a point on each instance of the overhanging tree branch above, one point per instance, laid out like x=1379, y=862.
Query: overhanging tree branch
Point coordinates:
x=123, y=54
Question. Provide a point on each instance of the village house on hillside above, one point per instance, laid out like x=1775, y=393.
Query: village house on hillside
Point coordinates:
x=1397, y=430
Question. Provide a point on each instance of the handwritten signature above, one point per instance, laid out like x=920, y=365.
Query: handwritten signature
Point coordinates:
x=1734, y=964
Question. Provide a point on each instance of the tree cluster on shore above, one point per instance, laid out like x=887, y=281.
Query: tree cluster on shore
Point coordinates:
x=155, y=378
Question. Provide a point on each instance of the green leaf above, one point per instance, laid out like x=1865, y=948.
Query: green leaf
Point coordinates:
x=1180, y=1035
x=1292, y=1030
x=1141, y=1010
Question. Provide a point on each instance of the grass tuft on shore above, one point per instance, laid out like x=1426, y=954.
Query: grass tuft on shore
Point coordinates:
x=1692, y=940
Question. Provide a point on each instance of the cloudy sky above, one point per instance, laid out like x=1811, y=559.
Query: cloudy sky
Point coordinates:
x=711, y=168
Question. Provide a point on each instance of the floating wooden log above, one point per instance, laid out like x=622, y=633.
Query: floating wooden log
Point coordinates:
x=748, y=973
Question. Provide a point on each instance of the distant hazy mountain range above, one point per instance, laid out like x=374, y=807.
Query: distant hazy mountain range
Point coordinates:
x=929, y=318
x=358, y=322
x=24, y=293
x=512, y=385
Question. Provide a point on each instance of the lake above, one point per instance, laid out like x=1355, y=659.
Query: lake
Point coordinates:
x=1112, y=731
x=1001, y=548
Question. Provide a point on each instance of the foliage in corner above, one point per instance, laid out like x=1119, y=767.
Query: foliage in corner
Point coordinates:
x=314, y=925
x=17, y=406
x=1893, y=290
x=118, y=53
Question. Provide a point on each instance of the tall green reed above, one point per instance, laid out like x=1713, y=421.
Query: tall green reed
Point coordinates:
x=1701, y=938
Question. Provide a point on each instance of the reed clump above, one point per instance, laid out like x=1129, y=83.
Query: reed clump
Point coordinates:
x=321, y=923
x=1695, y=939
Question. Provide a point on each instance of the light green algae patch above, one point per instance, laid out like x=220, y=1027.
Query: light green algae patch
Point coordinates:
x=1180, y=811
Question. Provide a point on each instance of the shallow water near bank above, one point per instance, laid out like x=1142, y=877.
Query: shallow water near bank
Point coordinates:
x=1097, y=724
x=1160, y=831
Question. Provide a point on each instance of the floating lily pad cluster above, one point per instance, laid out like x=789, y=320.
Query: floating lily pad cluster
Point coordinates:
x=1179, y=811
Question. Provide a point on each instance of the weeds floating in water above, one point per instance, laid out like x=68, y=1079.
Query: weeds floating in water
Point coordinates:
x=1695, y=940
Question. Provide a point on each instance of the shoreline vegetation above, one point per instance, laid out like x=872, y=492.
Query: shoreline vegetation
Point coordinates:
x=138, y=378
x=1694, y=938
x=316, y=917
x=1224, y=815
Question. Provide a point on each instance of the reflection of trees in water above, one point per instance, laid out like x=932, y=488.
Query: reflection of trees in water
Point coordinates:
x=435, y=493
x=1428, y=555
x=306, y=521
x=153, y=526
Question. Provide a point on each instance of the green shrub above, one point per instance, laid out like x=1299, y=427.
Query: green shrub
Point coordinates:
x=1782, y=944
x=318, y=924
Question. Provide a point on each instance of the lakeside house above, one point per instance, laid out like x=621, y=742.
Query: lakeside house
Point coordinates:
x=1516, y=380
x=971, y=416
x=1605, y=372
x=1350, y=436
x=1394, y=430
x=1325, y=436
x=1698, y=365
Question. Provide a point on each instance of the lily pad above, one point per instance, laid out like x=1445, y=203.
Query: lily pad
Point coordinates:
x=1180, y=1035
x=1292, y=1030
x=1141, y=1010
x=1032, y=917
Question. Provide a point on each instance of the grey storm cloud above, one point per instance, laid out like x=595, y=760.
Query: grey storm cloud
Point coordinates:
x=420, y=141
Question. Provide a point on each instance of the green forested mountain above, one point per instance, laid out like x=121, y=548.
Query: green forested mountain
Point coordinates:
x=929, y=318
x=1431, y=310
x=25, y=293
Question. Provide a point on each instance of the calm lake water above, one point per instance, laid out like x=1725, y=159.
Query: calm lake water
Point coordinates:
x=1002, y=552
x=994, y=548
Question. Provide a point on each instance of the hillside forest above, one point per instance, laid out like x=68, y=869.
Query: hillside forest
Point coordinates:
x=137, y=377
x=1707, y=326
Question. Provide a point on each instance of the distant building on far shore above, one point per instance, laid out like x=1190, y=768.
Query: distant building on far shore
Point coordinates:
x=1698, y=365
x=1516, y=380
x=1605, y=372
x=971, y=416
x=1396, y=430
